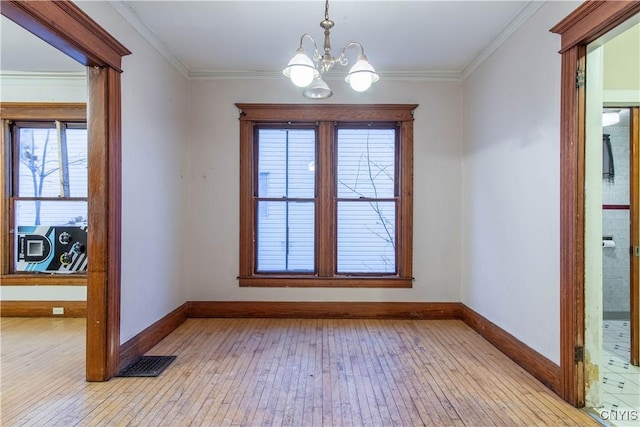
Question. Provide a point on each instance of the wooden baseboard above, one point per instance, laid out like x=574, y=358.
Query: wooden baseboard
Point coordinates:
x=326, y=310
x=145, y=340
x=42, y=308
x=533, y=362
x=543, y=369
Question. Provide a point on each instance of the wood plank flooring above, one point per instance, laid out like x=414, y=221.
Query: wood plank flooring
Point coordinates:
x=278, y=372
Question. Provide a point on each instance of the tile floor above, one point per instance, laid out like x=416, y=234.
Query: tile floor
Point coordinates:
x=620, y=390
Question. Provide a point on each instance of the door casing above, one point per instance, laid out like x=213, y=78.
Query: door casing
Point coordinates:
x=588, y=22
x=634, y=212
x=66, y=27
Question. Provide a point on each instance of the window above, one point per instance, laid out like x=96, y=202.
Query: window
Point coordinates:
x=326, y=195
x=46, y=194
x=285, y=227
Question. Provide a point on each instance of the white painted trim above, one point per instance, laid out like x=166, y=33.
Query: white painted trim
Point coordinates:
x=43, y=293
x=430, y=76
x=234, y=75
x=129, y=15
x=25, y=78
x=522, y=17
x=621, y=98
x=276, y=75
x=593, y=225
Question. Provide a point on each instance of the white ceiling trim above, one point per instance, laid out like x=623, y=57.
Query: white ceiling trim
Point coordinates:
x=522, y=17
x=276, y=75
x=620, y=98
x=26, y=78
x=129, y=15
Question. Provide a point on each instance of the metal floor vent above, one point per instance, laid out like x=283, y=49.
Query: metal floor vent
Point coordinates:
x=147, y=366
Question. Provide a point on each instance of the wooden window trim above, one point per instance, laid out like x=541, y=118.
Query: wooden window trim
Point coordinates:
x=30, y=111
x=25, y=111
x=43, y=279
x=324, y=115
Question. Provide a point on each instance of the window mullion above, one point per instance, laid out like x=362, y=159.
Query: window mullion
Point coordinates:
x=325, y=225
x=63, y=159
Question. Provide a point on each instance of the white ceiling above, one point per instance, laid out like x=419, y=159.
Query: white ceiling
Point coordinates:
x=210, y=38
x=23, y=52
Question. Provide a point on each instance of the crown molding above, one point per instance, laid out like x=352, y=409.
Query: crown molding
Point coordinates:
x=234, y=75
x=429, y=76
x=621, y=98
x=129, y=15
x=276, y=75
x=34, y=78
x=522, y=17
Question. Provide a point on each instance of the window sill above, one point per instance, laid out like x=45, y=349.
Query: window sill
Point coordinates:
x=325, y=282
x=44, y=279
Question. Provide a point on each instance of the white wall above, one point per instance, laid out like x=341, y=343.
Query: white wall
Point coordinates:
x=43, y=87
x=511, y=246
x=154, y=134
x=212, y=226
x=43, y=293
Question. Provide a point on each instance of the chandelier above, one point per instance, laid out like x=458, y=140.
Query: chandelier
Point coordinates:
x=303, y=73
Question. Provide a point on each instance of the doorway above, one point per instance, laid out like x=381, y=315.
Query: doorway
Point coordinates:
x=586, y=24
x=611, y=386
x=619, y=384
x=66, y=27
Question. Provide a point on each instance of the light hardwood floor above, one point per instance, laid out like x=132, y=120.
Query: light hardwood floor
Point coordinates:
x=275, y=372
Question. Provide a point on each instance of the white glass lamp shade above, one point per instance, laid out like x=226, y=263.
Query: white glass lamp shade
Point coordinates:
x=318, y=89
x=610, y=118
x=300, y=69
x=362, y=75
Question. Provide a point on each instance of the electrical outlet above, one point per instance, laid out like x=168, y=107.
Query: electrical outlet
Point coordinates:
x=58, y=310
